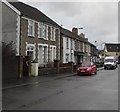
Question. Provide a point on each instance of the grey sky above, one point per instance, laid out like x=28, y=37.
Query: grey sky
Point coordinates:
x=99, y=19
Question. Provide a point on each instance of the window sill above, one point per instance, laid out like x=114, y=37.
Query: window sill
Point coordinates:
x=32, y=36
x=53, y=40
x=42, y=38
x=45, y=38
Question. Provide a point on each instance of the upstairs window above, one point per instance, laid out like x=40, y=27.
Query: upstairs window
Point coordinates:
x=45, y=31
x=52, y=33
x=67, y=43
x=72, y=44
x=40, y=30
x=30, y=28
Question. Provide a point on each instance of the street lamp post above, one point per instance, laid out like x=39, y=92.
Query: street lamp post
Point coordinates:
x=102, y=44
x=96, y=43
x=79, y=30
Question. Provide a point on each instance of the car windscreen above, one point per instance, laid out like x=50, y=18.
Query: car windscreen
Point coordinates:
x=109, y=60
x=85, y=64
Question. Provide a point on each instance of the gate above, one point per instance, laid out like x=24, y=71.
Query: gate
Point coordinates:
x=26, y=65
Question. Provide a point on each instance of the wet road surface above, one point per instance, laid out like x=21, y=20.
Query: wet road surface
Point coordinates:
x=96, y=92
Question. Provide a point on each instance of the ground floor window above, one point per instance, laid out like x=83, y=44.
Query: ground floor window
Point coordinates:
x=43, y=54
x=67, y=57
x=52, y=53
x=72, y=57
x=31, y=52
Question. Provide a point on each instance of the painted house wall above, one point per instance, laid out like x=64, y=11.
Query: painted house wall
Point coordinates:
x=9, y=25
x=68, y=51
x=9, y=37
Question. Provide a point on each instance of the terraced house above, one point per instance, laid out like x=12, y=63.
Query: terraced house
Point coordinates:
x=38, y=36
x=36, y=43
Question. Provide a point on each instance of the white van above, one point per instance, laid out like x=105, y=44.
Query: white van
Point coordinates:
x=110, y=62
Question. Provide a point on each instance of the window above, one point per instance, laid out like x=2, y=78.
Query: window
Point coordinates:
x=83, y=47
x=71, y=56
x=40, y=55
x=72, y=44
x=67, y=57
x=52, y=53
x=67, y=44
x=30, y=28
x=40, y=30
x=45, y=54
x=30, y=52
x=52, y=33
x=45, y=31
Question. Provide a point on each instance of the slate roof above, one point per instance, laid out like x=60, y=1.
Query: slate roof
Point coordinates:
x=33, y=13
x=112, y=47
x=72, y=35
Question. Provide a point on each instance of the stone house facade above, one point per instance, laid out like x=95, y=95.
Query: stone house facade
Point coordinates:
x=39, y=36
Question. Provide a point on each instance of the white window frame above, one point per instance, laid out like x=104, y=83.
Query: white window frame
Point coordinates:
x=43, y=45
x=45, y=32
x=53, y=33
x=67, y=57
x=67, y=43
x=52, y=52
x=72, y=44
x=33, y=25
x=31, y=45
x=40, y=25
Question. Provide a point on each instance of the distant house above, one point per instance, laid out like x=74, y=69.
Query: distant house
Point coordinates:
x=112, y=49
x=82, y=47
x=94, y=52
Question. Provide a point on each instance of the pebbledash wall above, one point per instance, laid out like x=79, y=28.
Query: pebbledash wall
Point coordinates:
x=10, y=41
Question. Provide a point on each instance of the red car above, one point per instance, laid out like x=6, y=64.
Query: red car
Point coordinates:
x=87, y=68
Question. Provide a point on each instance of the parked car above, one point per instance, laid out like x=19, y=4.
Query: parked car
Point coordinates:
x=110, y=62
x=87, y=68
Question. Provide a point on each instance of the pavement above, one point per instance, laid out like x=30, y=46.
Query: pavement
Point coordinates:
x=34, y=80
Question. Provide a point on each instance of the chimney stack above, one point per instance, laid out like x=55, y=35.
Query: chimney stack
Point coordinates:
x=82, y=35
x=75, y=30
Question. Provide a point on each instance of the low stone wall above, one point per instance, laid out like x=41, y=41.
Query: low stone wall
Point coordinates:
x=47, y=71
